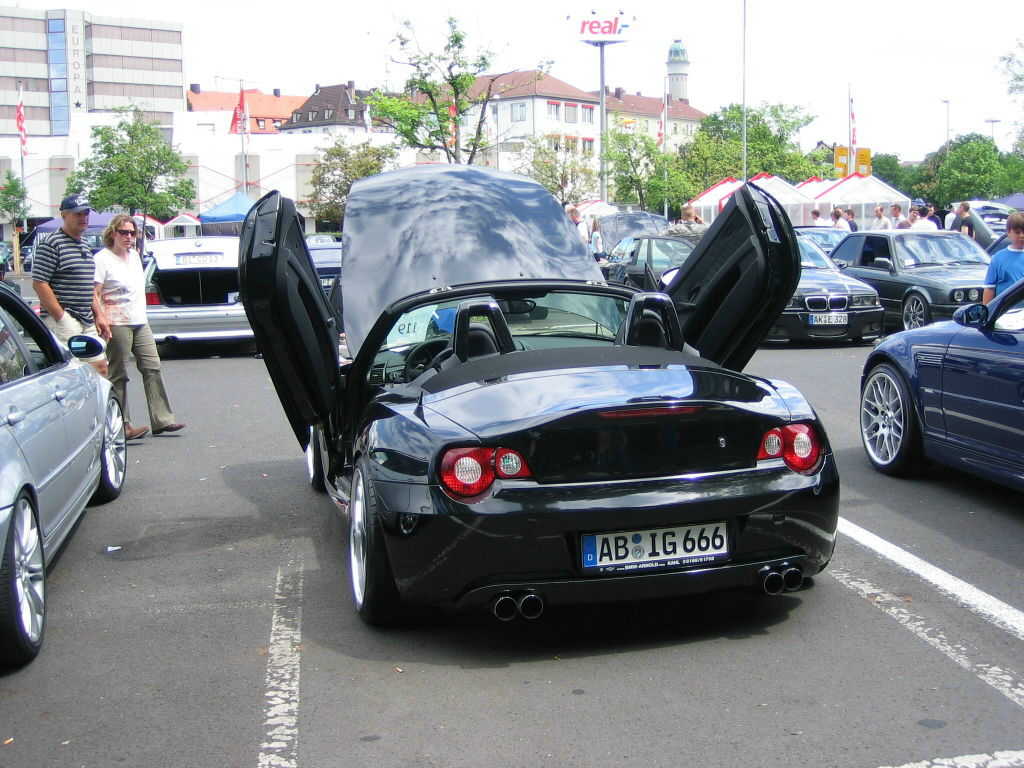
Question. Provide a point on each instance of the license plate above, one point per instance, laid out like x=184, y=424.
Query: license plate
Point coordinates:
x=198, y=259
x=658, y=548
x=830, y=318
x=326, y=282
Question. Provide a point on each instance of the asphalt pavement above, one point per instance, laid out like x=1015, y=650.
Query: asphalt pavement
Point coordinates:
x=204, y=619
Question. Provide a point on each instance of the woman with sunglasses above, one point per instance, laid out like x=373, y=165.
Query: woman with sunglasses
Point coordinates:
x=120, y=286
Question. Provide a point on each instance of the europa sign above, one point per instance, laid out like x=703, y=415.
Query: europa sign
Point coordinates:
x=597, y=27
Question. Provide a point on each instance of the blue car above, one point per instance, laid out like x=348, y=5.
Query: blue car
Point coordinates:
x=952, y=392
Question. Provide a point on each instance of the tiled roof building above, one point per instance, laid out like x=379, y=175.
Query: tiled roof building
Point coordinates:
x=267, y=111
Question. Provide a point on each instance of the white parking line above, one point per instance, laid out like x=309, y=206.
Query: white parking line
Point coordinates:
x=1005, y=759
x=990, y=608
x=280, y=748
x=1003, y=680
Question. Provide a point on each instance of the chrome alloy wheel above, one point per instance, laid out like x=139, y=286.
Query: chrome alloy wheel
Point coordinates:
x=310, y=458
x=882, y=418
x=915, y=313
x=114, y=448
x=357, y=537
x=29, y=577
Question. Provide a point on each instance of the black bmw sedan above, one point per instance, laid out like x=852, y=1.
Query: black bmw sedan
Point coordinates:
x=512, y=433
x=920, y=276
x=828, y=304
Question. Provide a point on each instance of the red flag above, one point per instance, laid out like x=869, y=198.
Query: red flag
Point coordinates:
x=240, y=117
x=19, y=119
x=853, y=125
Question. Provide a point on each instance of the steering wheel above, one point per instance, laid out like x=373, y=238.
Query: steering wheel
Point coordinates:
x=420, y=356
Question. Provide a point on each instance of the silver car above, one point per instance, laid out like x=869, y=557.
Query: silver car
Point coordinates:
x=192, y=290
x=62, y=444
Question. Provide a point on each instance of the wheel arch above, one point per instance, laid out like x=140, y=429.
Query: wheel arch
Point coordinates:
x=905, y=369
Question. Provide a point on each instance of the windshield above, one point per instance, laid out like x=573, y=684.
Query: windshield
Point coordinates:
x=823, y=236
x=922, y=250
x=326, y=257
x=812, y=257
x=559, y=313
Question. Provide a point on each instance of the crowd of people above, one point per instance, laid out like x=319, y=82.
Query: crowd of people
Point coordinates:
x=921, y=217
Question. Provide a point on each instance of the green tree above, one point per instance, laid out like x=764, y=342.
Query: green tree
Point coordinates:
x=443, y=107
x=971, y=170
x=131, y=167
x=13, y=203
x=337, y=168
x=772, y=132
x=670, y=183
x=887, y=167
x=632, y=159
x=566, y=174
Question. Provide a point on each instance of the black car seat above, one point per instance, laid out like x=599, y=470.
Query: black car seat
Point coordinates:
x=648, y=331
x=480, y=341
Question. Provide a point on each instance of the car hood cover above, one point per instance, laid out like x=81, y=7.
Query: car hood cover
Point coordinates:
x=436, y=226
x=828, y=281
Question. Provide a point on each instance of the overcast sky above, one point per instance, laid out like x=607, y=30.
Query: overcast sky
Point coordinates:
x=900, y=59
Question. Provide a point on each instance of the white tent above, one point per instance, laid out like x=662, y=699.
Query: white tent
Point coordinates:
x=183, y=225
x=861, y=193
x=709, y=203
x=797, y=205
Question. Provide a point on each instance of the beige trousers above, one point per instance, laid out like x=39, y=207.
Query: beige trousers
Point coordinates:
x=126, y=340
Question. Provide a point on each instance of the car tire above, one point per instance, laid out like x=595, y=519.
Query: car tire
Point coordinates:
x=315, y=461
x=916, y=311
x=113, y=455
x=22, y=587
x=374, y=592
x=889, y=428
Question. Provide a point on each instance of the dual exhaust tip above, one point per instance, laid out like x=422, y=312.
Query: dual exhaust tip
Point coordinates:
x=528, y=605
x=785, y=579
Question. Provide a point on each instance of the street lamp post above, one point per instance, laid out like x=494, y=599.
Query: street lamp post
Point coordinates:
x=992, y=124
x=946, y=102
x=744, y=57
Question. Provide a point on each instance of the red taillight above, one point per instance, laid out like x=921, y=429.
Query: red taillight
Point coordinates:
x=152, y=298
x=796, y=444
x=468, y=472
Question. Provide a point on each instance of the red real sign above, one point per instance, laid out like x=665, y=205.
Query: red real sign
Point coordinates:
x=602, y=27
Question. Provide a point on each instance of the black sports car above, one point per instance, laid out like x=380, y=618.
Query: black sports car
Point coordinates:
x=513, y=432
x=828, y=305
x=919, y=276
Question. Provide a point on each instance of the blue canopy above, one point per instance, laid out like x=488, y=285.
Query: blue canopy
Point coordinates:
x=1016, y=200
x=232, y=209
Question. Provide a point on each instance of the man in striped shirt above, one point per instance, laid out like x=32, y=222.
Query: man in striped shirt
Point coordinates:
x=62, y=277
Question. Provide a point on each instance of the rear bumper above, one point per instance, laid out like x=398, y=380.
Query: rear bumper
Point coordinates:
x=217, y=323
x=794, y=325
x=529, y=539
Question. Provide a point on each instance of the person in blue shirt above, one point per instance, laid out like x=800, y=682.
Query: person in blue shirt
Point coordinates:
x=1007, y=266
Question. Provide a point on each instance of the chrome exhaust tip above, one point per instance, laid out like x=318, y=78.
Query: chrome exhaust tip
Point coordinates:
x=773, y=583
x=531, y=606
x=504, y=608
x=792, y=579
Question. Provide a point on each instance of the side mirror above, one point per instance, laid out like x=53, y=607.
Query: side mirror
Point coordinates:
x=667, y=276
x=971, y=316
x=82, y=346
x=841, y=264
x=882, y=263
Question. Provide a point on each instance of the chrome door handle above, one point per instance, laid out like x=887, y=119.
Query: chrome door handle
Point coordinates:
x=13, y=417
x=59, y=394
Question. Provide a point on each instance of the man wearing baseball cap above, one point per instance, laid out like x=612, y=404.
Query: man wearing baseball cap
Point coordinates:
x=62, y=277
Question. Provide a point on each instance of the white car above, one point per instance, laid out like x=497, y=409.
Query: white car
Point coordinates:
x=192, y=290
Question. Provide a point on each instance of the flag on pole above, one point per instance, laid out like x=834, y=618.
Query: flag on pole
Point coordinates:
x=19, y=119
x=853, y=124
x=240, y=117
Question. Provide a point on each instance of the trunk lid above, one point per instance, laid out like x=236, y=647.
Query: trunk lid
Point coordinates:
x=619, y=423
